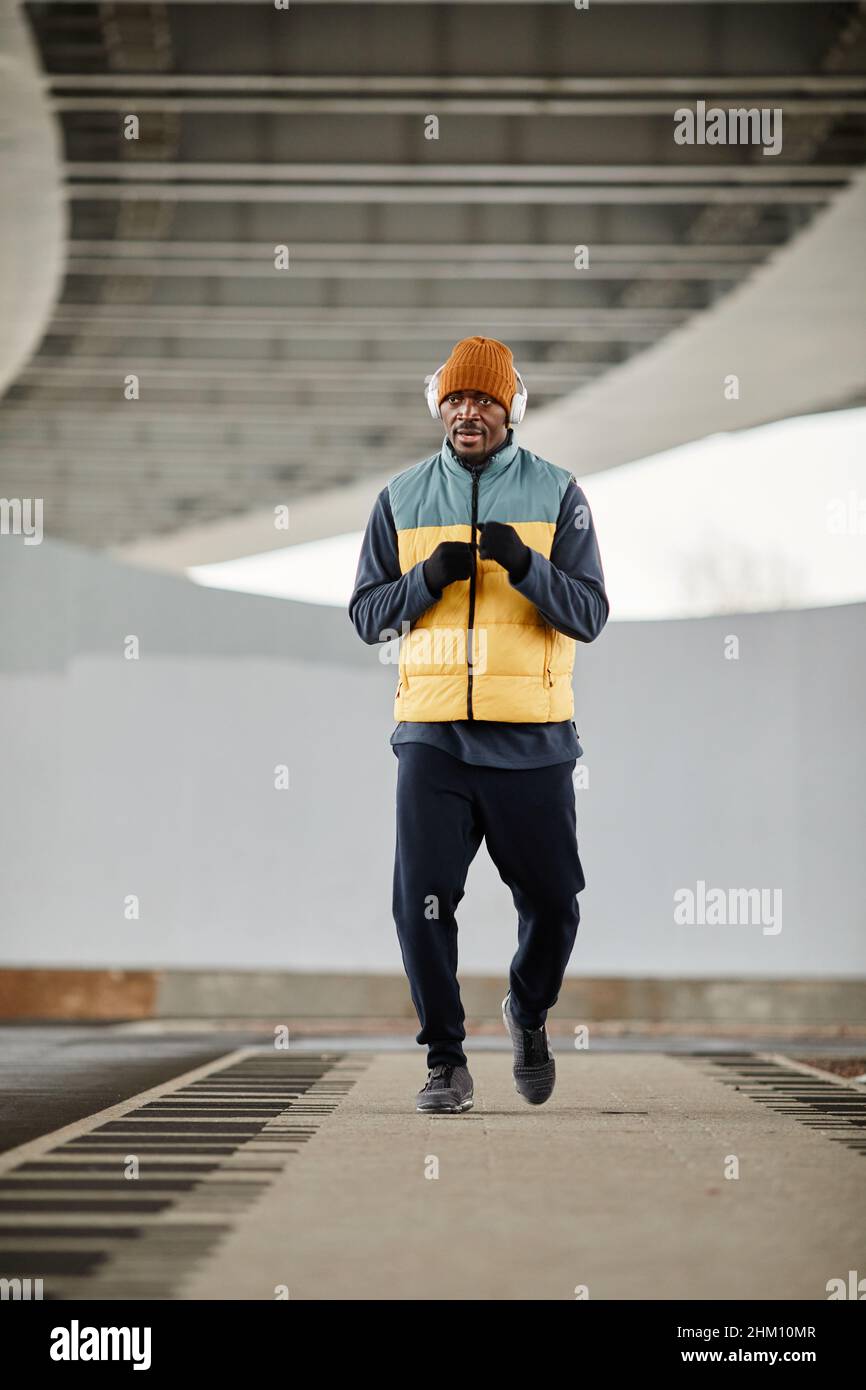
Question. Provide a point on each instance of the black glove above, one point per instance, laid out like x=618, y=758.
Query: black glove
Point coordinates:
x=450, y=560
x=500, y=542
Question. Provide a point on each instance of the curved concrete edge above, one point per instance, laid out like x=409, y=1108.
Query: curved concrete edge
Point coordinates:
x=791, y=334
x=329, y=513
x=33, y=229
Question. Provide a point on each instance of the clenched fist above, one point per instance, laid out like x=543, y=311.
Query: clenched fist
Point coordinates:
x=450, y=560
x=500, y=542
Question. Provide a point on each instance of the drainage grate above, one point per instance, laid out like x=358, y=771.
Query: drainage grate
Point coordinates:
x=207, y=1151
x=837, y=1110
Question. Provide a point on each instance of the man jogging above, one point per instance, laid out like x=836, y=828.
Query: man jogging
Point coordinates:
x=485, y=557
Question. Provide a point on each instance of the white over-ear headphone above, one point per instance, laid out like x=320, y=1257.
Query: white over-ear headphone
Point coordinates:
x=518, y=400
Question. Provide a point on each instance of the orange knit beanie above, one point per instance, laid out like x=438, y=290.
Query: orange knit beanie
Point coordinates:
x=480, y=364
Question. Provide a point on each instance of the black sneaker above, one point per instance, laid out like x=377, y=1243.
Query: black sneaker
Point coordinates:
x=448, y=1090
x=534, y=1069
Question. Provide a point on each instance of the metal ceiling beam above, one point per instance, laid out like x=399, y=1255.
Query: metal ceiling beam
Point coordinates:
x=440, y=194
x=636, y=109
x=290, y=452
x=77, y=415
x=278, y=450
x=439, y=342
x=261, y=370
x=180, y=439
x=256, y=381
x=456, y=4
x=274, y=446
x=316, y=437
x=161, y=266
x=735, y=171
x=247, y=83
x=426, y=251
x=370, y=318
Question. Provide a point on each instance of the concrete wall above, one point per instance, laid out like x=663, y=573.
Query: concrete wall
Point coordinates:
x=155, y=777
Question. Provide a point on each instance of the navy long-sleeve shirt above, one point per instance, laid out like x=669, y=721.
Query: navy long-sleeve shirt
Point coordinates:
x=568, y=591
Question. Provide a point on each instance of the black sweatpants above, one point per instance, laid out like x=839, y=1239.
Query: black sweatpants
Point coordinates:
x=445, y=807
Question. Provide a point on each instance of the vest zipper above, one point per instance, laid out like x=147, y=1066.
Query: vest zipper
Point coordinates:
x=475, y=476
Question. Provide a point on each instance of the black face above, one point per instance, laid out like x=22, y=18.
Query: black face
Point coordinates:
x=476, y=424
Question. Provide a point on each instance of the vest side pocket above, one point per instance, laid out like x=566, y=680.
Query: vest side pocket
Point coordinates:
x=548, y=655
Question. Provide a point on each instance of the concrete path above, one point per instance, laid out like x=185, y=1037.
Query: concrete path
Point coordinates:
x=618, y=1186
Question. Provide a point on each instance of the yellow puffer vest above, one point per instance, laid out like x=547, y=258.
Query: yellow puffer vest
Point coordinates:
x=483, y=651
